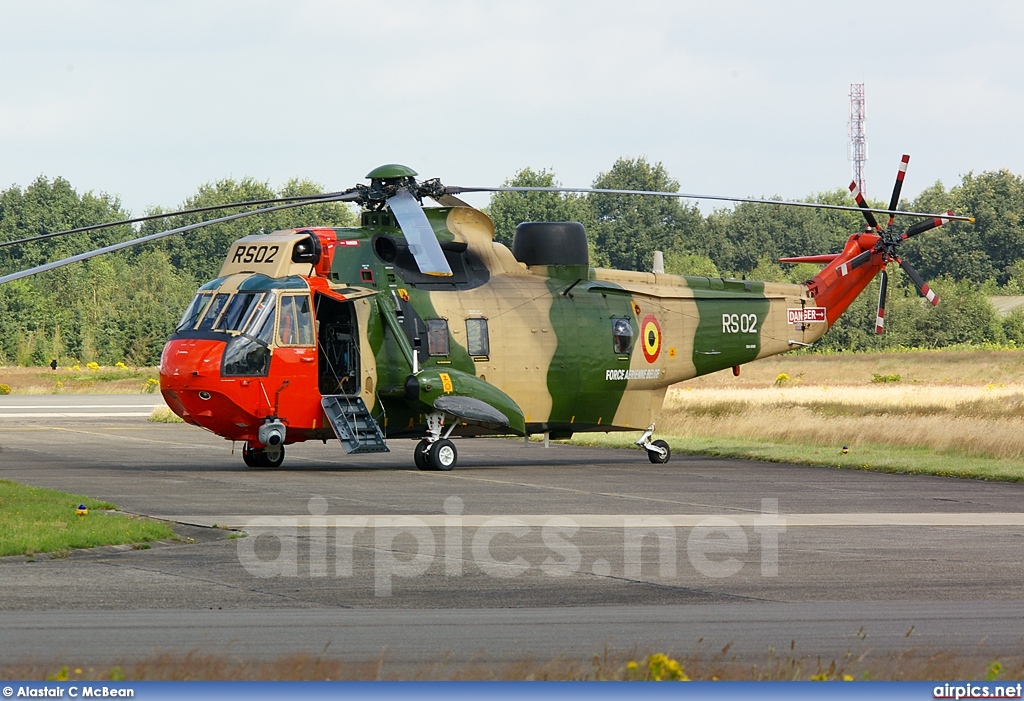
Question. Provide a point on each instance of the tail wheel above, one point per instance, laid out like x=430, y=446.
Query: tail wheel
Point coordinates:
x=442, y=455
x=419, y=455
x=655, y=456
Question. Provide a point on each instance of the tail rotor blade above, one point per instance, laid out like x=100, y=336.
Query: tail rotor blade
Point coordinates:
x=880, y=317
x=922, y=286
x=927, y=225
x=900, y=174
x=862, y=203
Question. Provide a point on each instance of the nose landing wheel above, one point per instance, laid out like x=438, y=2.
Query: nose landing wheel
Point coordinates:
x=439, y=455
x=262, y=457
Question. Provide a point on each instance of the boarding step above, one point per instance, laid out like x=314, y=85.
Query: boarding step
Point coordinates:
x=353, y=425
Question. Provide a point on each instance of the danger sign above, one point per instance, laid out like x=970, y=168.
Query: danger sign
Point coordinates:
x=807, y=315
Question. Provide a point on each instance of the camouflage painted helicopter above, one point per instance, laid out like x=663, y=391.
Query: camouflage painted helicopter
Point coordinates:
x=417, y=324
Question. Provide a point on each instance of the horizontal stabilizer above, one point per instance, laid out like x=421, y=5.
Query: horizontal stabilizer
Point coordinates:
x=824, y=258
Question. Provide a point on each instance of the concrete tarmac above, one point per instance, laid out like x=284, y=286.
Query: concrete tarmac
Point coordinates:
x=520, y=551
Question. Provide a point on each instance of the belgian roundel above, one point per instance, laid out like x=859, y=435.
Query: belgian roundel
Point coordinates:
x=650, y=333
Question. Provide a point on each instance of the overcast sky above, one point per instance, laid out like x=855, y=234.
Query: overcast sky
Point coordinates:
x=148, y=100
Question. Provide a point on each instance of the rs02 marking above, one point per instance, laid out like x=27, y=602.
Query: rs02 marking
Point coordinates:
x=739, y=323
x=255, y=254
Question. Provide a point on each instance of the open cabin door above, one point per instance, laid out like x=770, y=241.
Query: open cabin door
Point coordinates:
x=337, y=329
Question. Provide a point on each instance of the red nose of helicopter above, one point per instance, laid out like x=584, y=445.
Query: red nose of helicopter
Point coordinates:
x=212, y=368
x=194, y=389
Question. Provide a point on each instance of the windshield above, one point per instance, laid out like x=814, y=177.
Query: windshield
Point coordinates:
x=239, y=310
x=213, y=311
x=248, y=353
x=262, y=325
x=194, y=310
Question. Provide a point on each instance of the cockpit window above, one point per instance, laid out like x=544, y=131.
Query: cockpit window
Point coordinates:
x=213, y=311
x=249, y=352
x=239, y=310
x=194, y=310
x=262, y=325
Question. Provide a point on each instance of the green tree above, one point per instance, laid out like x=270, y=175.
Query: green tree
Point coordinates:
x=682, y=263
x=629, y=228
x=510, y=209
x=47, y=207
x=201, y=253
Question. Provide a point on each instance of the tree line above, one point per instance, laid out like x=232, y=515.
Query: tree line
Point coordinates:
x=123, y=306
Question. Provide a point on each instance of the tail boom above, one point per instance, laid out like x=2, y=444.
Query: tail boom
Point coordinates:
x=843, y=279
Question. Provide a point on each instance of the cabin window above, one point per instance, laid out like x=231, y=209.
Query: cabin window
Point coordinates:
x=622, y=336
x=437, y=336
x=194, y=311
x=295, y=324
x=213, y=311
x=477, y=342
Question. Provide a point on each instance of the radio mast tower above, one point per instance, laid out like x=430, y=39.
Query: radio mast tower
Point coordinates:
x=858, y=137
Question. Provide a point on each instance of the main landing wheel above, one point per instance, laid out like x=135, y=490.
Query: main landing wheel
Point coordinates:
x=419, y=454
x=258, y=457
x=442, y=455
x=439, y=455
x=656, y=457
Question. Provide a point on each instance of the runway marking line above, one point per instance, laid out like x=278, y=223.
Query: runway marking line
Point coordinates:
x=73, y=414
x=555, y=488
x=4, y=407
x=854, y=520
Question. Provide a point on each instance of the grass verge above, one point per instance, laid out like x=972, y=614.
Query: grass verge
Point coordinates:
x=118, y=379
x=912, y=664
x=163, y=415
x=38, y=520
x=866, y=456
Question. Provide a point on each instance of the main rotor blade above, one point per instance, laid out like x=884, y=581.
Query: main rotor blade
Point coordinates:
x=894, y=201
x=923, y=226
x=456, y=189
x=450, y=201
x=863, y=204
x=159, y=235
x=166, y=215
x=420, y=235
x=922, y=286
x=880, y=317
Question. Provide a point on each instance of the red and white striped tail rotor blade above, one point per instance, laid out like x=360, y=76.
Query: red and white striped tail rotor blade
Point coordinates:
x=894, y=202
x=927, y=225
x=880, y=317
x=922, y=286
x=862, y=203
x=849, y=266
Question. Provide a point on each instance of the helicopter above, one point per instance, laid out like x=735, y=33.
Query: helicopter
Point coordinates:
x=418, y=324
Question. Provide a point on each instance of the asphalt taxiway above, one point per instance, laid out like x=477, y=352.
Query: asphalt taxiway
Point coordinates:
x=520, y=551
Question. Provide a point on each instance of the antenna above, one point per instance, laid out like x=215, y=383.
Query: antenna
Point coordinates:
x=858, y=137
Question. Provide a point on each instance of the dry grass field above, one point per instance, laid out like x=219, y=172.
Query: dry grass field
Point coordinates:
x=84, y=380
x=985, y=421
x=942, y=412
